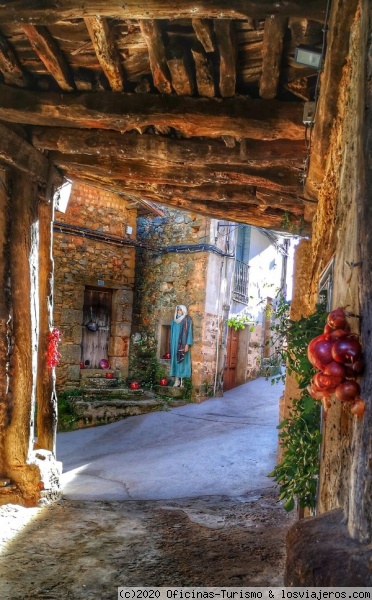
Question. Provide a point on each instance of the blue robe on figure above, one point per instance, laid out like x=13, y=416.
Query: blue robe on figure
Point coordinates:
x=180, y=336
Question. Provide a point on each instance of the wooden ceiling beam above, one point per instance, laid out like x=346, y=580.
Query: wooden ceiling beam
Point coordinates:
x=270, y=218
x=275, y=178
x=10, y=66
x=151, y=31
x=47, y=49
x=180, y=70
x=274, y=31
x=227, y=48
x=224, y=194
x=107, y=55
x=244, y=212
x=18, y=153
x=44, y=12
x=204, y=32
x=165, y=149
x=204, y=72
x=205, y=117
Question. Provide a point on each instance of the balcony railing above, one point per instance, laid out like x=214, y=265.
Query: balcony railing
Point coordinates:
x=241, y=279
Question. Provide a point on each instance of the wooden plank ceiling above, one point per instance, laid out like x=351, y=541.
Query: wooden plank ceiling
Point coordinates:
x=194, y=105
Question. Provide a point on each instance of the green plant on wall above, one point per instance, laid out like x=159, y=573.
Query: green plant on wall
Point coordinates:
x=144, y=365
x=67, y=414
x=239, y=322
x=300, y=436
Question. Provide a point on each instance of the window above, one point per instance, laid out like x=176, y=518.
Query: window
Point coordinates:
x=241, y=280
x=326, y=286
x=241, y=275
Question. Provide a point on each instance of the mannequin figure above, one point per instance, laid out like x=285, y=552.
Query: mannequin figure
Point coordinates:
x=180, y=342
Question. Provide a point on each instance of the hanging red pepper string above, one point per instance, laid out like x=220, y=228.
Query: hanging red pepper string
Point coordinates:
x=53, y=356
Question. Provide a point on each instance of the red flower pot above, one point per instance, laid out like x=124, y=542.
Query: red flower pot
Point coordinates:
x=134, y=385
x=109, y=375
x=163, y=381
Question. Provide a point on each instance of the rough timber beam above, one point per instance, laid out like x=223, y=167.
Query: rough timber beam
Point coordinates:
x=181, y=72
x=274, y=31
x=227, y=47
x=48, y=11
x=270, y=218
x=204, y=32
x=275, y=178
x=164, y=149
x=250, y=213
x=151, y=31
x=49, y=53
x=223, y=194
x=104, y=46
x=10, y=65
x=16, y=152
x=203, y=72
x=237, y=117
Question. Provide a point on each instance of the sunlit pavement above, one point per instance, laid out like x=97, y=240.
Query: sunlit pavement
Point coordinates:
x=222, y=446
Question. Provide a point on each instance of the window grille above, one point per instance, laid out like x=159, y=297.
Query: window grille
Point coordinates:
x=325, y=288
x=241, y=280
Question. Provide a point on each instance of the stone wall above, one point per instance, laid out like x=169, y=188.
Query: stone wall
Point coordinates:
x=165, y=279
x=80, y=262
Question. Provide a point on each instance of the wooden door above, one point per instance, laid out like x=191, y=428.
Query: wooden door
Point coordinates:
x=96, y=309
x=229, y=379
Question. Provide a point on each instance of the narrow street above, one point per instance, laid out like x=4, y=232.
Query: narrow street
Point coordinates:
x=174, y=498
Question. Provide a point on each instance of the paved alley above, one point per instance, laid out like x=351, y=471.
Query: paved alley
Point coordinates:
x=222, y=446
x=174, y=498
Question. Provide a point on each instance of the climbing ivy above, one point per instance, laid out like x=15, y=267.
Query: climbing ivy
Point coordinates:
x=300, y=436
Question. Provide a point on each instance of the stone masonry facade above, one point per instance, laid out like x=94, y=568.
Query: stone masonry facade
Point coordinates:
x=81, y=262
x=168, y=277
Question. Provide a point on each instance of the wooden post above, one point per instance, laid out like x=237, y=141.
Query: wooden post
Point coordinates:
x=359, y=509
x=4, y=311
x=23, y=271
x=45, y=392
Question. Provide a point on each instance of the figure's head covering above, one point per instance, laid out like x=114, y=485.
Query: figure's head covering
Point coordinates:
x=179, y=318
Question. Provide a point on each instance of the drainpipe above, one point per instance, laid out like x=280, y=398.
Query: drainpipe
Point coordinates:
x=218, y=331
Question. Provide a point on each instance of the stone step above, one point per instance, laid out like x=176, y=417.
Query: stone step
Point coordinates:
x=169, y=391
x=101, y=412
x=118, y=392
x=100, y=373
x=98, y=382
